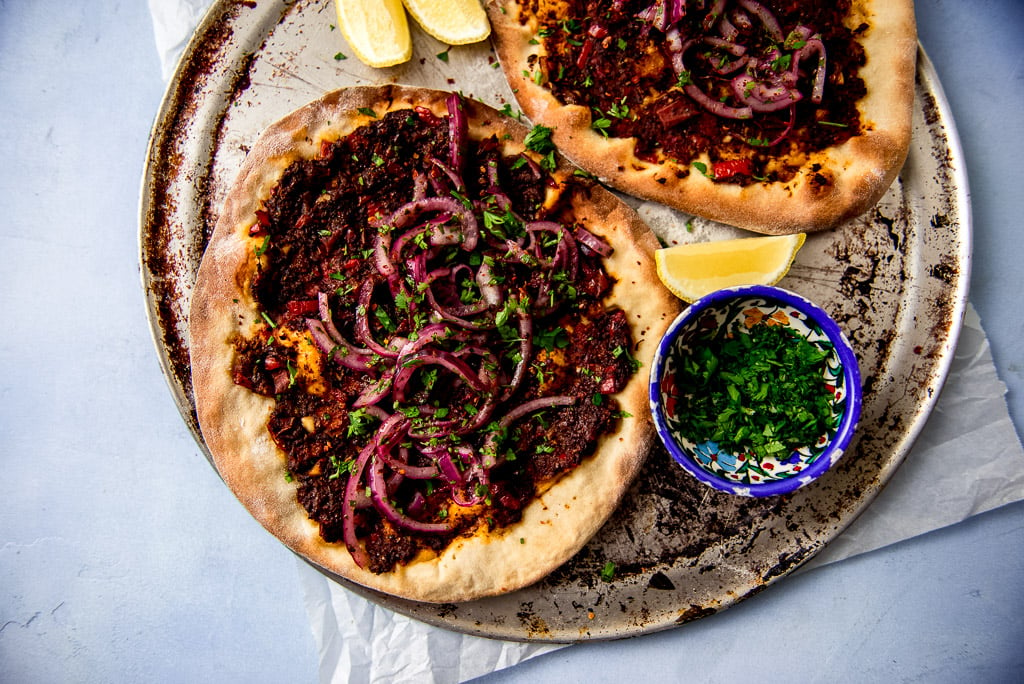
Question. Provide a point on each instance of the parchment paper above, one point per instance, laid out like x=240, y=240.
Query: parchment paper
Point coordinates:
x=353, y=635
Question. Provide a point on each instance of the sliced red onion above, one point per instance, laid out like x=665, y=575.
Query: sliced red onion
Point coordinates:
x=448, y=470
x=525, y=352
x=789, y=127
x=408, y=213
x=762, y=97
x=457, y=129
x=715, y=107
x=724, y=45
x=714, y=14
x=474, y=499
x=800, y=33
x=376, y=391
x=768, y=20
x=354, y=492
x=677, y=48
x=381, y=256
x=407, y=364
x=813, y=45
x=567, y=256
x=593, y=242
x=429, y=334
x=539, y=404
x=378, y=492
x=474, y=479
x=453, y=176
x=450, y=316
x=489, y=451
x=410, y=471
x=727, y=29
x=419, y=185
x=452, y=275
x=417, y=503
x=740, y=19
x=337, y=349
x=725, y=67
x=388, y=435
x=490, y=293
x=516, y=254
x=362, y=329
x=489, y=364
x=663, y=14
x=405, y=238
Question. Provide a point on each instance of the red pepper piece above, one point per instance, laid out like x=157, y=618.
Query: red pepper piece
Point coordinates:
x=302, y=307
x=725, y=170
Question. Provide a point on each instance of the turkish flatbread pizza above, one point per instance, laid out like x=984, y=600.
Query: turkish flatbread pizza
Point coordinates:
x=421, y=343
x=777, y=116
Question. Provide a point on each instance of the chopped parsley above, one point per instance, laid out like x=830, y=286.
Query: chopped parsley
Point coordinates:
x=760, y=392
x=539, y=140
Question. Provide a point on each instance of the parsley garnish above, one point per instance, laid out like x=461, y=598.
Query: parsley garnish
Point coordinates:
x=760, y=392
x=507, y=111
x=601, y=125
x=608, y=572
x=539, y=140
x=703, y=168
x=620, y=110
x=794, y=41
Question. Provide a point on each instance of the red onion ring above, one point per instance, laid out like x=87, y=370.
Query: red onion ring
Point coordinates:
x=457, y=131
x=353, y=493
x=768, y=20
x=378, y=492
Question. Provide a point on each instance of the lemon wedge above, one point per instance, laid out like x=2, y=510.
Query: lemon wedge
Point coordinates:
x=455, y=22
x=693, y=270
x=376, y=30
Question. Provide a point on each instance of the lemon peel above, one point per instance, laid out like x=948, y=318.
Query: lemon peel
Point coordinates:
x=693, y=270
x=376, y=30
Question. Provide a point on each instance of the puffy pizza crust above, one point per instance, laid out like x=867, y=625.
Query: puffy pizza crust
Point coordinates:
x=233, y=420
x=860, y=170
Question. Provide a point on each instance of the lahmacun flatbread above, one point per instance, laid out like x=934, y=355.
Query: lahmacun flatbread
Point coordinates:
x=775, y=116
x=420, y=344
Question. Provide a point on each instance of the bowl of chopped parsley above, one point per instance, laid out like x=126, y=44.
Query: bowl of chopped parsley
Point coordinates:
x=755, y=390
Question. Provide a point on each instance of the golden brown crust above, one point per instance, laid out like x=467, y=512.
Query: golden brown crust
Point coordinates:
x=860, y=171
x=233, y=420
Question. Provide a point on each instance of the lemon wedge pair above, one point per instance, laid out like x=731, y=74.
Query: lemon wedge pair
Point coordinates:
x=378, y=31
x=693, y=270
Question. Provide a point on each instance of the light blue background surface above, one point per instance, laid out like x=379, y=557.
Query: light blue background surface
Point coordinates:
x=123, y=558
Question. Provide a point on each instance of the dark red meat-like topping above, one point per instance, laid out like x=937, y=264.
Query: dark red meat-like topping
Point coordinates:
x=464, y=350
x=735, y=79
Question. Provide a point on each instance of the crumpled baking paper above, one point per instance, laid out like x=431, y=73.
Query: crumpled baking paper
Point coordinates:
x=173, y=24
x=356, y=639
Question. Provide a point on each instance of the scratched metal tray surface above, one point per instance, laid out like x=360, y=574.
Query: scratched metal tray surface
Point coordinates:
x=895, y=279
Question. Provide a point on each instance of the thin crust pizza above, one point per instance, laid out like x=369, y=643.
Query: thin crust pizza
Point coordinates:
x=420, y=344
x=777, y=116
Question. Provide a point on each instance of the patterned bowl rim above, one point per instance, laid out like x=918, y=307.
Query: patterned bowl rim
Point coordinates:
x=847, y=359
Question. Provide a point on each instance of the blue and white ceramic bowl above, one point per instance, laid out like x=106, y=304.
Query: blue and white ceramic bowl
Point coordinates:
x=745, y=474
